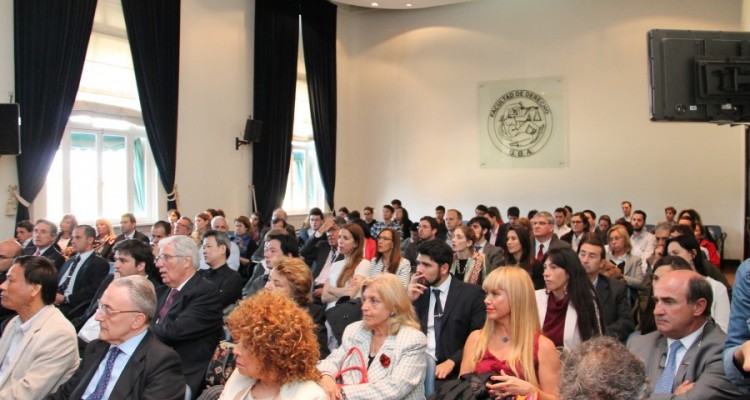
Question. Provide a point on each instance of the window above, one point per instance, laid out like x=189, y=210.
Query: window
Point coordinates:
x=304, y=189
x=104, y=166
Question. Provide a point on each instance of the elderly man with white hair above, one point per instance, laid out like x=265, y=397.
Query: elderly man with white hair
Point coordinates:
x=188, y=314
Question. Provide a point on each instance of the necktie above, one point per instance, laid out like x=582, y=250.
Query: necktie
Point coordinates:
x=101, y=387
x=477, y=248
x=64, y=285
x=37, y=253
x=540, y=253
x=333, y=255
x=666, y=380
x=438, y=317
x=167, y=304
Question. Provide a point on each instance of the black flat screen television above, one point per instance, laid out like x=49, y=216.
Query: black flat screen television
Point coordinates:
x=699, y=76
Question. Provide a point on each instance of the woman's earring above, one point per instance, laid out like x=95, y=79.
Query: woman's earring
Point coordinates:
x=393, y=314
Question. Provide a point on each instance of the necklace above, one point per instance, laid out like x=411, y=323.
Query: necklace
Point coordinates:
x=457, y=266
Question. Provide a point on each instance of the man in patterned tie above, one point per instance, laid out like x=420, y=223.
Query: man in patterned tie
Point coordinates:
x=127, y=361
x=683, y=357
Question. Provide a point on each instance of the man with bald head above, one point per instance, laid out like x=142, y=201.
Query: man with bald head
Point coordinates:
x=683, y=357
x=9, y=250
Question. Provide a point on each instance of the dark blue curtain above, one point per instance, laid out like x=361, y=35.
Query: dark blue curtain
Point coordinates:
x=319, y=44
x=50, y=40
x=154, y=34
x=276, y=34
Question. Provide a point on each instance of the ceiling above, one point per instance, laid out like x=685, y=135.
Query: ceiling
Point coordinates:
x=398, y=4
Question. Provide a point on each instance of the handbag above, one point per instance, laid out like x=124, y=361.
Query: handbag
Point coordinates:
x=345, y=312
x=221, y=365
x=362, y=367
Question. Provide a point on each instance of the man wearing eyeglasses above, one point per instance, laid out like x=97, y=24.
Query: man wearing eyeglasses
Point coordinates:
x=127, y=361
x=188, y=315
x=38, y=347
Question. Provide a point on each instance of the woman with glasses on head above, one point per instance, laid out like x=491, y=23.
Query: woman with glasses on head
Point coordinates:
x=388, y=258
x=568, y=309
x=517, y=248
x=510, y=346
x=393, y=349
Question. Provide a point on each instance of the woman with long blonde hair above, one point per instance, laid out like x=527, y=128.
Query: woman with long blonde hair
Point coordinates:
x=510, y=345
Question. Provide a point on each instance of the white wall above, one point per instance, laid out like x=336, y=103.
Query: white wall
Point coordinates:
x=8, y=173
x=408, y=110
x=216, y=86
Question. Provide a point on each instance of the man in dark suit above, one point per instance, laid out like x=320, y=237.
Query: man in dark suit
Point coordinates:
x=613, y=294
x=25, y=233
x=448, y=310
x=188, y=314
x=127, y=227
x=544, y=239
x=684, y=356
x=81, y=275
x=322, y=248
x=426, y=230
x=43, y=238
x=502, y=233
x=127, y=361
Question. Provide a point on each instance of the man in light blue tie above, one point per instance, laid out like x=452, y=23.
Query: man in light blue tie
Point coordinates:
x=127, y=361
x=683, y=357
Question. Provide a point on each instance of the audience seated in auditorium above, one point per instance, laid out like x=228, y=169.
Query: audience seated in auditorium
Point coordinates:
x=368, y=217
x=629, y=266
x=684, y=357
x=643, y=241
x=579, y=227
x=387, y=222
x=448, y=310
x=188, y=315
x=105, y=238
x=277, y=243
x=442, y=232
x=127, y=361
x=426, y=230
x=627, y=209
x=219, y=223
x=594, y=227
x=453, y=219
x=63, y=240
x=315, y=220
x=38, y=348
x=159, y=230
x=560, y=227
x=517, y=248
x=183, y=227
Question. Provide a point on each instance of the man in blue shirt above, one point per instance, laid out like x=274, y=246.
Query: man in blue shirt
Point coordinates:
x=127, y=361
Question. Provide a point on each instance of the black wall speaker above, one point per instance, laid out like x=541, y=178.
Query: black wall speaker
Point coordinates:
x=253, y=128
x=10, y=132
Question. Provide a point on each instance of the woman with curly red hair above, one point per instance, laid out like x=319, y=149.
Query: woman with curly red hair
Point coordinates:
x=276, y=351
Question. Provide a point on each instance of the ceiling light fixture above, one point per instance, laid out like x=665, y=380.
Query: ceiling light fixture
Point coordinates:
x=408, y=4
x=374, y=4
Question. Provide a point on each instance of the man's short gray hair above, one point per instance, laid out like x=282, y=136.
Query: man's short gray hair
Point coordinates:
x=184, y=246
x=602, y=368
x=546, y=215
x=663, y=226
x=141, y=292
x=217, y=218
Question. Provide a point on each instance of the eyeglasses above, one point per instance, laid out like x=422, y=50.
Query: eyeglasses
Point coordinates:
x=108, y=311
x=576, y=222
x=385, y=238
x=166, y=257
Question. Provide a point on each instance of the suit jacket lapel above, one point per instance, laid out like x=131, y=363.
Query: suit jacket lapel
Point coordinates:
x=376, y=371
x=180, y=294
x=91, y=367
x=602, y=287
x=658, y=359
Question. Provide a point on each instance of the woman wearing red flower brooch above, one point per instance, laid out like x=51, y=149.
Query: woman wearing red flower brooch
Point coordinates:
x=393, y=348
x=511, y=344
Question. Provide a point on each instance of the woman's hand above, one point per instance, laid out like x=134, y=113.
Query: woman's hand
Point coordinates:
x=509, y=385
x=331, y=388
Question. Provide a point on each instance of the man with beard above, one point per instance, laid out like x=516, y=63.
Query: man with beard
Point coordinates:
x=643, y=241
x=433, y=290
